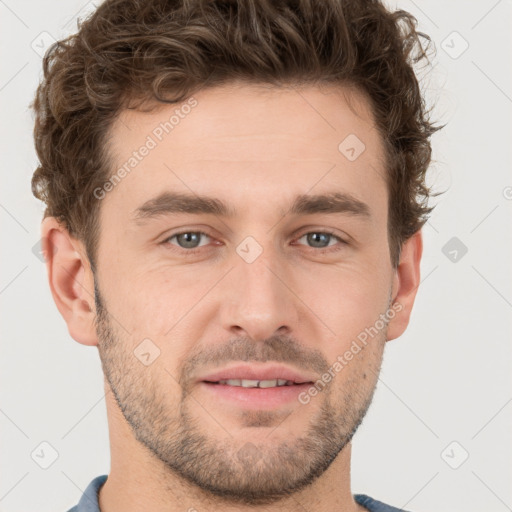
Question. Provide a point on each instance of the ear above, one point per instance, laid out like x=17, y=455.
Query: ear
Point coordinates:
x=71, y=280
x=405, y=285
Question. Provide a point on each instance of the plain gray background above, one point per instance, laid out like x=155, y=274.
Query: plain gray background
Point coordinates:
x=437, y=437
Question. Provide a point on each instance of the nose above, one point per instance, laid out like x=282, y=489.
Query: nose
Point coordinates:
x=260, y=299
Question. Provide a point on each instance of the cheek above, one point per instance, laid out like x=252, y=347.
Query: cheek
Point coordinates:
x=347, y=300
x=158, y=302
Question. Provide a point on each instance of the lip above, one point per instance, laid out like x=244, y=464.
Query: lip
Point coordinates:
x=254, y=398
x=258, y=372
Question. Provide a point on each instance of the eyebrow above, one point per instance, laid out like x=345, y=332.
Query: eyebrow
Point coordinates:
x=168, y=203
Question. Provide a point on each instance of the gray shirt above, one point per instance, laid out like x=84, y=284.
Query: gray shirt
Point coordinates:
x=89, y=500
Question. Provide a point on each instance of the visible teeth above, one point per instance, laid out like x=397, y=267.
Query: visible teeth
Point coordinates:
x=232, y=382
x=267, y=383
x=245, y=383
x=249, y=383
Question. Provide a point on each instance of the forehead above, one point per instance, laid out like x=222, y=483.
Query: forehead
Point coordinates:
x=241, y=141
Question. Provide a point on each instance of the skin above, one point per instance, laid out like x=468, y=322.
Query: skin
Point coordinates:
x=173, y=446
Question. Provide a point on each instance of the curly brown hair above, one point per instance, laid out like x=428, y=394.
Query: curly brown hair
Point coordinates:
x=165, y=51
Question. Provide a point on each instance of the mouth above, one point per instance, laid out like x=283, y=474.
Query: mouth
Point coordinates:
x=262, y=384
x=255, y=386
x=254, y=394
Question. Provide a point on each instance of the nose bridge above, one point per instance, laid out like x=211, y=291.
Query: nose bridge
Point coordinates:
x=260, y=301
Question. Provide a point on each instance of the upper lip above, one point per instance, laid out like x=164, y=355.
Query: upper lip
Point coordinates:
x=258, y=372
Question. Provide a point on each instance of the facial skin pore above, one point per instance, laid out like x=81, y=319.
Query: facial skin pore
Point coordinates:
x=175, y=446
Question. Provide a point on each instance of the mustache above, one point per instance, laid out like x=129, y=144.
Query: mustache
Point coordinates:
x=279, y=349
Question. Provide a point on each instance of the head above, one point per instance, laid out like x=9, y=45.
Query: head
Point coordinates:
x=235, y=181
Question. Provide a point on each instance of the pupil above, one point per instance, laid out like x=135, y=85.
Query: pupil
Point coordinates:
x=314, y=238
x=190, y=239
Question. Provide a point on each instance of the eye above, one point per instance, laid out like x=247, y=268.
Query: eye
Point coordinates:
x=188, y=240
x=321, y=239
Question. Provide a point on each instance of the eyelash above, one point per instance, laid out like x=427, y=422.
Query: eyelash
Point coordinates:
x=198, y=249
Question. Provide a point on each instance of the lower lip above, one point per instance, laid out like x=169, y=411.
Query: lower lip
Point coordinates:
x=256, y=398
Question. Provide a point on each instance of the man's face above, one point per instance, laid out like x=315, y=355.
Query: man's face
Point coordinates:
x=270, y=285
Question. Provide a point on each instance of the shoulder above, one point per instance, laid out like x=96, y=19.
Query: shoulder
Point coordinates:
x=374, y=505
x=89, y=500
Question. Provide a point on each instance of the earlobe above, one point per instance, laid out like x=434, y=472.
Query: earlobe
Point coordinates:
x=405, y=285
x=71, y=281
